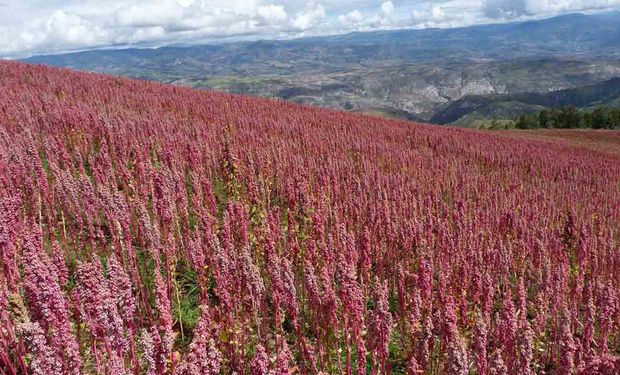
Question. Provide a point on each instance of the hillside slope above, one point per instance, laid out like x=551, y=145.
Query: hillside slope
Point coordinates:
x=166, y=230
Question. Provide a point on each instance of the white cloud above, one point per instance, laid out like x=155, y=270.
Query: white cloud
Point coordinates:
x=437, y=13
x=142, y=34
x=453, y=13
x=557, y=6
x=73, y=29
x=352, y=18
x=163, y=13
x=43, y=26
x=60, y=30
x=509, y=9
x=272, y=13
x=505, y=8
x=382, y=17
x=387, y=8
x=311, y=16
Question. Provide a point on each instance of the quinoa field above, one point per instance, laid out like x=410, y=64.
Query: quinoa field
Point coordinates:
x=152, y=229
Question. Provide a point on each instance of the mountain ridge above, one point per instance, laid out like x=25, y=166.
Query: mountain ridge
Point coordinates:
x=408, y=74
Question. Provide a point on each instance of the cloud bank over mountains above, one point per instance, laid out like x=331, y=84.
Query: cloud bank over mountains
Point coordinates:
x=46, y=26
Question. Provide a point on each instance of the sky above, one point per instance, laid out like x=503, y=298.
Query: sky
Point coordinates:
x=30, y=27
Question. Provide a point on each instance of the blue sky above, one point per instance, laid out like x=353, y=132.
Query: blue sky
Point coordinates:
x=30, y=27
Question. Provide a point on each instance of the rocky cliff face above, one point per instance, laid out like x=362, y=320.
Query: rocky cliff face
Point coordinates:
x=418, y=91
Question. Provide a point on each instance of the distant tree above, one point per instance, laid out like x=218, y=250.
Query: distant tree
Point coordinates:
x=599, y=118
x=614, y=118
x=586, y=120
x=495, y=124
x=553, y=121
x=543, y=119
x=569, y=118
x=521, y=123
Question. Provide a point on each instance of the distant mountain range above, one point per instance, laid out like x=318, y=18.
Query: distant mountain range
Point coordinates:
x=438, y=75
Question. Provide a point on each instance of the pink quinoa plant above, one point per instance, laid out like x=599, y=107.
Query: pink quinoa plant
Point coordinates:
x=319, y=242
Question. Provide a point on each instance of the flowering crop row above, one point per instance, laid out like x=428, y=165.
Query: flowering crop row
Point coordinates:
x=149, y=229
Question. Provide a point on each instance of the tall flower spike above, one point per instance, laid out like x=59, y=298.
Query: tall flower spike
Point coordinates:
x=164, y=349
x=221, y=273
x=480, y=344
x=148, y=358
x=588, y=321
x=311, y=284
x=121, y=289
x=567, y=346
x=283, y=360
x=47, y=302
x=203, y=358
x=426, y=339
x=58, y=261
x=116, y=365
x=525, y=355
x=413, y=367
x=506, y=329
x=457, y=362
x=289, y=293
x=607, y=311
x=380, y=323
x=361, y=357
x=365, y=258
x=9, y=222
x=260, y=363
x=350, y=292
x=252, y=283
x=99, y=306
x=44, y=359
x=496, y=364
